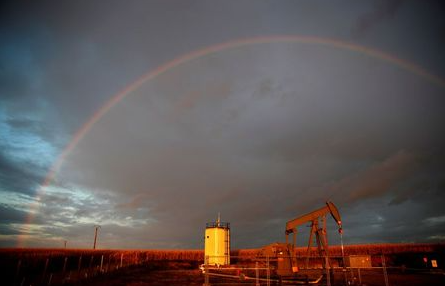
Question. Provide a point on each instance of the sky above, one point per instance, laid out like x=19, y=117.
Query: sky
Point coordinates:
x=340, y=101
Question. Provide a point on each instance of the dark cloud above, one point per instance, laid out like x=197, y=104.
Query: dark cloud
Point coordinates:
x=35, y=127
x=7, y=230
x=260, y=133
x=183, y=151
x=19, y=177
x=384, y=10
x=383, y=222
x=379, y=179
x=10, y=215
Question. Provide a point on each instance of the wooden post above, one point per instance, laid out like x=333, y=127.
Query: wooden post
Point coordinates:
x=96, y=227
x=19, y=264
x=257, y=274
x=79, y=264
x=385, y=274
x=44, y=270
x=122, y=256
x=206, y=271
x=90, y=265
x=50, y=278
x=328, y=275
x=64, y=265
x=108, y=263
x=101, y=262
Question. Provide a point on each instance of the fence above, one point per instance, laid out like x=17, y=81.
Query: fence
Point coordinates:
x=56, y=269
x=63, y=267
x=373, y=270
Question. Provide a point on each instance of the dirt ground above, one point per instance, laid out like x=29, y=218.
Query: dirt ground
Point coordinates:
x=142, y=276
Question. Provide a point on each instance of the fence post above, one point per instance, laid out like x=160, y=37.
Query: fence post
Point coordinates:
x=122, y=256
x=359, y=276
x=385, y=274
x=108, y=264
x=50, y=278
x=206, y=271
x=44, y=270
x=345, y=270
x=257, y=274
x=64, y=265
x=90, y=272
x=19, y=264
x=328, y=275
x=79, y=264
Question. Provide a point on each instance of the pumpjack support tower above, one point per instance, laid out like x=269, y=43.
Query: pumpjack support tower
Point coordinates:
x=285, y=252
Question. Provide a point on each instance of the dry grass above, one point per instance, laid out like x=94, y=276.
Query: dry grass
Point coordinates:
x=362, y=249
x=197, y=255
x=36, y=265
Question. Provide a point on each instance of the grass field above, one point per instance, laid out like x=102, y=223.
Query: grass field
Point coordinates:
x=81, y=266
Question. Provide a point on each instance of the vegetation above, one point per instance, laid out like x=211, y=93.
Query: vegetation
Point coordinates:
x=57, y=266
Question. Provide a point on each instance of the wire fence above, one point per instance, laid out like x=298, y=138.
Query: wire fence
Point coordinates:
x=58, y=269
x=349, y=270
x=63, y=268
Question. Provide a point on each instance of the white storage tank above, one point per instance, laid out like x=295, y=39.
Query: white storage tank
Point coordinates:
x=217, y=243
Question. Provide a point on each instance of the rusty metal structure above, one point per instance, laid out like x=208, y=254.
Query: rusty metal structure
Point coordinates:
x=317, y=219
x=285, y=252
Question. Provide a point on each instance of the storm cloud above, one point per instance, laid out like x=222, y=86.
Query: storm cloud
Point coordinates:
x=259, y=133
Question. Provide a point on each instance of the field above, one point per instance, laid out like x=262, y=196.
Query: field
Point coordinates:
x=142, y=277
x=404, y=265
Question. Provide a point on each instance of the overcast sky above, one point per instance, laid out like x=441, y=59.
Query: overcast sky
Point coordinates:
x=261, y=133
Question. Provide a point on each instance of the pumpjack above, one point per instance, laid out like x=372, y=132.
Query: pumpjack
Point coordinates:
x=285, y=252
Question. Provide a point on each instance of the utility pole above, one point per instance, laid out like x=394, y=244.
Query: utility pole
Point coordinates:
x=96, y=228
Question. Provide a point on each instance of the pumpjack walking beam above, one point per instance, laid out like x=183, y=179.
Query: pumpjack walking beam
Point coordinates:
x=319, y=232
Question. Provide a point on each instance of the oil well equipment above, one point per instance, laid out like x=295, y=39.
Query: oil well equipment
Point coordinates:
x=217, y=243
x=285, y=252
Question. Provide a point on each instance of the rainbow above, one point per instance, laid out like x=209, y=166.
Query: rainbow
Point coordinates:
x=333, y=43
